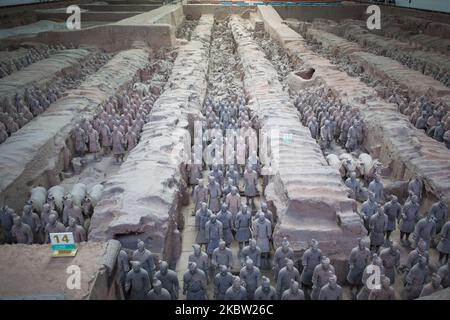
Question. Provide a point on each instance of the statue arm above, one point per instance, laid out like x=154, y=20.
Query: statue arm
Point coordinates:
x=176, y=286
x=127, y=283
x=29, y=236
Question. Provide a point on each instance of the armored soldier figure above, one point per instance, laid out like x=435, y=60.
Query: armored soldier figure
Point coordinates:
x=286, y=274
x=200, y=258
x=321, y=276
x=222, y=281
x=393, y=211
x=251, y=276
x=226, y=218
x=194, y=283
x=282, y=254
x=236, y=291
x=213, y=233
x=137, y=282
x=145, y=258
x=158, y=292
x=331, y=291
x=253, y=252
x=222, y=256
x=425, y=229
x=265, y=291
x=293, y=293
x=311, y=258
x=391, y=260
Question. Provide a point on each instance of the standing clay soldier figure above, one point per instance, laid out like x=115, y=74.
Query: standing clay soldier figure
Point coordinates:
x=105, y=137
x=385, y=292
x=433, y=286
x=236, y=291
x=53, y=226
x=137, y=282
x=222, y=281
x=169, y=280
x=444, y=273
x=200, y=195
x=378, y=225
x=79, y=234
x=321, y=276
x=145, y=258
x=415, y=279
x=313, y=128
x=368, y=209
x=194, y=283
x=94, y=145
x=393, y=210
x=80, y=141
x=71, y=210
x=311, y=258
x=222, y=256
x=293, y=293
x=194, y=171
x=46, y=212
x=21, y=232
x=200, y=258
x=443, y=246
x=377, y=188
x=267, y=213
x=408, y=219
x=213, y=233
x=390, y=257
x=7, y=222
x=331, y=291
x=414, y=256
x=282, y=254
x=376, y=264
x=265, y=291
x=354, y=185
x=243, y=225
x=32, y=219
x=250, y=185
x=131, y=140
x=415, y=186
x=233, y=201
x=201, y=218
x=263, y=235
x=123, y=267
x=359, y=259
x=426, y=230
x=253, y=252
x=326, y=136
x=251, y=276
x=439, y=211
x=215, y=192
x=286, y=274
x=352, y=138
x=117, y=145
x=226, y=218
x=158, y=292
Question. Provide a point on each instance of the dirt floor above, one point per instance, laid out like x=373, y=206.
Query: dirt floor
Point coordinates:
x=42, y=276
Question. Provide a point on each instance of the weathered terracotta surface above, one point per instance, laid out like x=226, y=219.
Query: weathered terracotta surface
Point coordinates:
x=43, y=72
x=144, y=198
x=413, y=81
x=309, y=197
x=389, y=134
x=24, y=164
